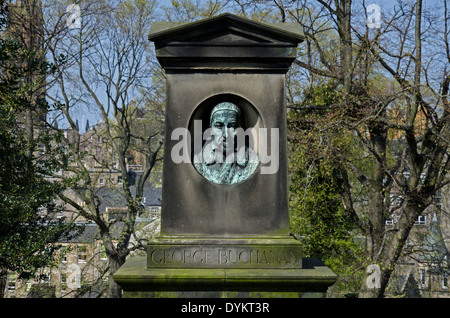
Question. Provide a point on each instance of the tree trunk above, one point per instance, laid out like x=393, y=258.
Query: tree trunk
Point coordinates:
x=115, y=291
x=116, y=258
x=376, y=276
x=389, y=251
x=3, y=282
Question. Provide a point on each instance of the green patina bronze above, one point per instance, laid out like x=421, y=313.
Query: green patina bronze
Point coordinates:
x=223, y=160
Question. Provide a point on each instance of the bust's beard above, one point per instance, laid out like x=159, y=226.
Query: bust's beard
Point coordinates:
x=214, y=154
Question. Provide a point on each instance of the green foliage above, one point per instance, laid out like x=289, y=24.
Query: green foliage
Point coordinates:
x=318, y=217
x=322, y=95
x=317, y=214
x=26, y=240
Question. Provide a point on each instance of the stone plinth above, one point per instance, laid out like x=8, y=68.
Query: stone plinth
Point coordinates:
x=137, y=280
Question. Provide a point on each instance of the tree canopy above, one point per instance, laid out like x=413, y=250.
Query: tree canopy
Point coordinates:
x=27, y=241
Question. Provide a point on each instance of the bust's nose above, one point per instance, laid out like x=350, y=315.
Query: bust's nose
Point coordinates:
x=225, y=133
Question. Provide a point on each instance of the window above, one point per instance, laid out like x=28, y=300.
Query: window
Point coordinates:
x=101, y=181
x=102, y=249
x=421, y=220
x=119, y=179
x=82, y=253
x=155, y=210
x=45, y=279
x=390, y=221
x=63, y=282
x=63, y=252
x=11, y=282
x=422, y=277
x=445, y=280
x=396, y=199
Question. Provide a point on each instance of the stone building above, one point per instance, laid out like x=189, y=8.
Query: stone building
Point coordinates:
x=82, y=263
x=423, y=269
x=81, y=268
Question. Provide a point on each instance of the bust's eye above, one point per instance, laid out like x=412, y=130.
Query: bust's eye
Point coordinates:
x=218, y=125
x=232, y=125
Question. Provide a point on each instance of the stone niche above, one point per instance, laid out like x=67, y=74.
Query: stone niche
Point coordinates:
x=225, y=239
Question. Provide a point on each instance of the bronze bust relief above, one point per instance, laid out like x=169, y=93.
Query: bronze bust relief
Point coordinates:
x=225, y=158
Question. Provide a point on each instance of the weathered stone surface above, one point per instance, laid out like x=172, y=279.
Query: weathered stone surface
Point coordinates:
x=224, y=253
x=137, y=280
x=225, y=58
x=192, y=204
x=226, y=42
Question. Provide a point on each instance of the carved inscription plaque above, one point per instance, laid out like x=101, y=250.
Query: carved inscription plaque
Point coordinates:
x=224, y=256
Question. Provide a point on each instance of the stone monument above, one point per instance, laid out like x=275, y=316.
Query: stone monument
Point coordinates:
x=224, y=218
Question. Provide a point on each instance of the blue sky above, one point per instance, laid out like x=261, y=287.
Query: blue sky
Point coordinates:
x=385, y=6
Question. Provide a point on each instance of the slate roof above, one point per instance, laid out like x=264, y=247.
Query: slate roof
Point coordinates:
x=112, y=197
x=433, y=247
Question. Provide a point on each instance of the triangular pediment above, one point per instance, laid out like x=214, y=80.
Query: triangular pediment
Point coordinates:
x=225, y=28
x=225, y=42
x=229, y=35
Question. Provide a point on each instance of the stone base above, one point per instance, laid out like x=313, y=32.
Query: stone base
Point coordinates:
x=139, y=281
x=224, y=252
